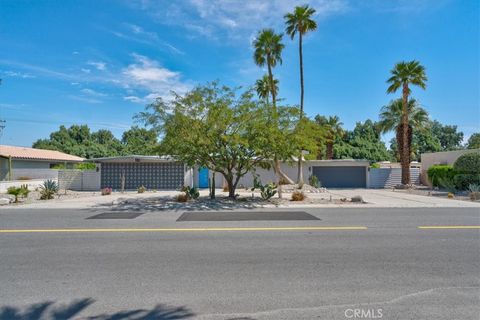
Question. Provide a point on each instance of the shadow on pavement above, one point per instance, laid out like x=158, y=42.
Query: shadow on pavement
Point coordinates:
x=169, y=204
x=49, y=311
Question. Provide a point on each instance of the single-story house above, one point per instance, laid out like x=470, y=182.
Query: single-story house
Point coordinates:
x=22, y=162
x=155, y=172
x=434, y=158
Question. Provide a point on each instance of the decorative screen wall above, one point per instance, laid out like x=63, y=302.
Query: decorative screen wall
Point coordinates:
x=150, y=175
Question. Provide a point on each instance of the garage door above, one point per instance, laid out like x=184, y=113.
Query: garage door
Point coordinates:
x=341, y=177
x=151, y=175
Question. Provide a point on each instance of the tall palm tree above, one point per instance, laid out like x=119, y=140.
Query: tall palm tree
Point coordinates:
x=391, y=120
x=300, y=21
x=268, y=51
x=263, y=87
x=405, y=74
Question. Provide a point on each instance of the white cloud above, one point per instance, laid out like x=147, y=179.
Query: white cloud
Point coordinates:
x=16, y=74
x=99, y=65
x=148, y=75
x=85, y=99
x=138, y=34
x=234, y=19
x=85, y=70
x=92, y=92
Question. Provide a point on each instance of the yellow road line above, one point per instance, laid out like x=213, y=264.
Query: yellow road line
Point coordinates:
x=180, y=229
x=449, y=227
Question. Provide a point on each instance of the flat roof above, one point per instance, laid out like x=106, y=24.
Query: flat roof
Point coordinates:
x=133, y=158
x=24, y=153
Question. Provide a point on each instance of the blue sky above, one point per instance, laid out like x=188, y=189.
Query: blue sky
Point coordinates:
x=99, y=62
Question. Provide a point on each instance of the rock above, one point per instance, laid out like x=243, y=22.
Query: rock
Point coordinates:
x=5, y=201
x=356, y=199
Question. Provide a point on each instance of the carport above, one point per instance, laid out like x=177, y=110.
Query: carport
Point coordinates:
x=152, y=172
x=341, y=173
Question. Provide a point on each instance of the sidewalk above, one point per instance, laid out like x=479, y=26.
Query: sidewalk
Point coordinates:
x=374, y=198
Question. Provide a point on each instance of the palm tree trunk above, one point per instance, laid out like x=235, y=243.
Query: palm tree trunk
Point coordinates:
x=276, y=162
x=405, y=153
x=330, y=150
x=300, y=162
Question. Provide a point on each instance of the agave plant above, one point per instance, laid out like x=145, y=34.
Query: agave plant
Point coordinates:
x=48, y=189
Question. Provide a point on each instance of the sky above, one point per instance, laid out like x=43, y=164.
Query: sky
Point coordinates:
x=100, y=62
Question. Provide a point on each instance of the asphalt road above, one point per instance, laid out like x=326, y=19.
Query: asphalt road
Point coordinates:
x=384, y=267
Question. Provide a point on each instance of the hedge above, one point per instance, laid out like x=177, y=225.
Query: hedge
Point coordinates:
x=439, y=172
x=468, y=163
x=463, y=180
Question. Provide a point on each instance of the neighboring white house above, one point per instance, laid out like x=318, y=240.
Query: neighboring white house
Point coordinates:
x=31, y=163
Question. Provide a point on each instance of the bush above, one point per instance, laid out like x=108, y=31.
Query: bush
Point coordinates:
x=463, y=180
x=439, y=172
x=106, y=191
x=182, y=197
x=21, y=191
x=141, y=189
x=266, y=191
x=192, y=193
x=298, y=196
x=24, y=178
x=48, y=189
x=474, y=191
x=85, y=166
x=468, y=163
x=448, y=184
x=314, y=182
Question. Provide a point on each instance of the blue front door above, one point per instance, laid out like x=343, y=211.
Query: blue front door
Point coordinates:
x=203, y=178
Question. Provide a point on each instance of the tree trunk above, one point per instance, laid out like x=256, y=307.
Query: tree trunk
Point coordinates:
x=405, y=155
x=329, y=150
x=272, y=87
x=300, y=162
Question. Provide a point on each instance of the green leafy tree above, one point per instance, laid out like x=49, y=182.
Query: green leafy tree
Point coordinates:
x=405, y=74
x=474, y=141
x=363, y=142
x=300, y=22
x=214, y=127
x=448, y=136
x=140, y=141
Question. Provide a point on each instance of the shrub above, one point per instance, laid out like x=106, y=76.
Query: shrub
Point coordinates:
x=448, y=184
x=283, y=181
x=182, y=197
x=267, y=191
x=314, y=182
x=298, y=196
x=21, y=191
x=463, y=180
x=474, y=191
x=85, y=166
x=438, y=172
x=468, y=163
x=141, y=189
x=106, y=191
x=48, y=189
x=375, y=166
x=191, y=193
x=24, y=178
